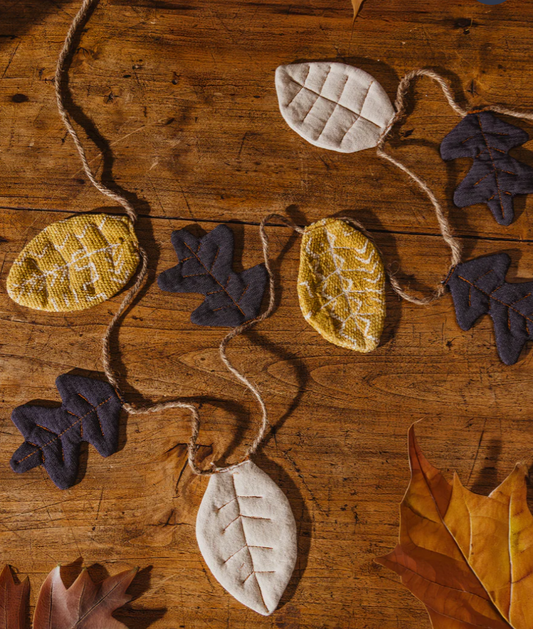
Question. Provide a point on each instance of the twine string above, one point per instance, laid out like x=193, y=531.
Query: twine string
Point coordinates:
x=61, y=75
x=61, y=90
x=444, y=224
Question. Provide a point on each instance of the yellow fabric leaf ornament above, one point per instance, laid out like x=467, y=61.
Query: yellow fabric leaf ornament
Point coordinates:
x=75, y=263
x=341, y=285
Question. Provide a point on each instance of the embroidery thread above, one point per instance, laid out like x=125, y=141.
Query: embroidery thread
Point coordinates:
x=75, y=263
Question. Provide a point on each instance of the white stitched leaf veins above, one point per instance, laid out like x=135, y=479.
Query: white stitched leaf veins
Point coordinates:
x=333, y=105
x=247, y=535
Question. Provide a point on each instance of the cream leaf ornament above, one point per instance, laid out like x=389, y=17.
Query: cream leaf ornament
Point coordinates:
x=247, y=535
x=333, y=105
x=341, y=285
x=75, y=263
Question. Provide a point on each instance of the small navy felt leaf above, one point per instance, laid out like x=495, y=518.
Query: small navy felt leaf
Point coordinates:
x=478, y=287
x=495, y=177
x=90, y=412
x=205, y=267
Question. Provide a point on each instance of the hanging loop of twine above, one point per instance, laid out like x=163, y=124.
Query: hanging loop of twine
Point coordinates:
x=444, y=225
x=61, y=75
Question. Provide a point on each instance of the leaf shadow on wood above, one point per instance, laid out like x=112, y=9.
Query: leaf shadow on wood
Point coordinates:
x=487, y=478
x=16, y=19
x=304, y=523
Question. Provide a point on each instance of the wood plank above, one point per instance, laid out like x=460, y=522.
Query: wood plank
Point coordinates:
x=340, y=422
x=182, y=98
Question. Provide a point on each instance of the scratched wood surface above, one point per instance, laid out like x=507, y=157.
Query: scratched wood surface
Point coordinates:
x=178, y=104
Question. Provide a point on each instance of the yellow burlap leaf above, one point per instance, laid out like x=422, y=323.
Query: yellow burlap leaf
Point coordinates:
x=75, y=263
x=341, y=285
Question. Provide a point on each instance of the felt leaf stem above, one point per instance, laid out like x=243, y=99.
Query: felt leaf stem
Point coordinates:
x=468, y=558
x=341, y=285
x=90, y=412
x=13, y=601
x=356, y=4
x=478, y=287
x=495, y=177
x=205, y=267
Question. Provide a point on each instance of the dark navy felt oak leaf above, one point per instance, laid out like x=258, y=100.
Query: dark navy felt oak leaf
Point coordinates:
x=478, y=287
x=495, y=177
x=205, y=267
x=90, y=412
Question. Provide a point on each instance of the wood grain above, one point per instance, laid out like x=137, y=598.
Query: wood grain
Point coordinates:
x=180, y=99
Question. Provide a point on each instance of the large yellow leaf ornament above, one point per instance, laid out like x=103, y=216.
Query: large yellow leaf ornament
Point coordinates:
x=341, y=285
x=75, y=263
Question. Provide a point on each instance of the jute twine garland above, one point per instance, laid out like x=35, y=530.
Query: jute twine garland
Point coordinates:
x=444, y=225
x=60, y=76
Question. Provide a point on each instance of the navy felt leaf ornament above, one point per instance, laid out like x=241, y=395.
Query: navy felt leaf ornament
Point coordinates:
x=205, y=267
x=495, y=177
x=478, y=287
x=90, y=412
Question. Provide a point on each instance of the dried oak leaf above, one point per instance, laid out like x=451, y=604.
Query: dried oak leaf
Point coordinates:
x=495, y=177
x=13, y=601
x=468, y=558
x=205, y=267
x=90, y=412
x=84, y=604
x=478, y=287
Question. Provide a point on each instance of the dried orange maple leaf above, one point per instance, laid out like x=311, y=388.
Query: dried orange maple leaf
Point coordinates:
x=83, y=605
x=468, y=558
x=13, y=601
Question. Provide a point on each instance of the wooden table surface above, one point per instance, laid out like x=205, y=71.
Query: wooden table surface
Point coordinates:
x=180, y=98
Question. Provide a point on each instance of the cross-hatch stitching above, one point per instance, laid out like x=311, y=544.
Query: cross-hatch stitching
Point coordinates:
x=341, y=285
x=74, y=264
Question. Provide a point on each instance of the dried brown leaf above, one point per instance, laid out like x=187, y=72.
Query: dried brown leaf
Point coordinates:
x=468, y=558
x=356, y=4
x=13, y=601
x=84, y=605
